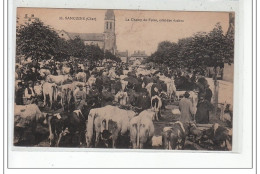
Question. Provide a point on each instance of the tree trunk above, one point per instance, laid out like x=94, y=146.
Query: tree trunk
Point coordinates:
x=215, y=93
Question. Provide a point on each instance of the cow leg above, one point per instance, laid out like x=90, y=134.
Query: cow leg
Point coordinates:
x=50, y=96
x=44, y=99
x=156, y=116
x=141, y=146
x=97, y=139
x=134, y=145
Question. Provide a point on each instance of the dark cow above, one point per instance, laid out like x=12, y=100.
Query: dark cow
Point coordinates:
x=67, y=129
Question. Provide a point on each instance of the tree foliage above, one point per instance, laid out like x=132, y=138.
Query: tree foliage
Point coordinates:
x=197, y=52
x=36, y=41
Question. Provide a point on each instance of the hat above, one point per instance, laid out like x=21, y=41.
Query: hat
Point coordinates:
x=20, y=84
x=30, y=82
x=186, y=94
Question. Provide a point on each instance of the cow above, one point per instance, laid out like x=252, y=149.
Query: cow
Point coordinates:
x=149, y=88
x=91, y=80
x=220, y=136
x=81, y=76
x=67, y=127
x=141, y=130
x=26, y=118
x=123, y=84
x=75, y=84
x=49, y=89
x=65, y=70
x=66, y=94
x=59, y=80
x=171, y=88
x=148, y=112
x=173, y=137
x=38, y=89
x=119, y=124
x=156, y=104
x=121, y=97
x=94, y=126
x=227, y=114
x=44, y=72
x=107, y=123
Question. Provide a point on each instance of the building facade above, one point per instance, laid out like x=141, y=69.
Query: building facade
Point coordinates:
x=123, y=55
x=105, y=40
x=138, y=56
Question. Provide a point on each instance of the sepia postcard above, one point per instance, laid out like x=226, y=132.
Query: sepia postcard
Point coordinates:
x=124, y=79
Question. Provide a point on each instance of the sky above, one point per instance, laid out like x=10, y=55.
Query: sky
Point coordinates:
x=131, y=33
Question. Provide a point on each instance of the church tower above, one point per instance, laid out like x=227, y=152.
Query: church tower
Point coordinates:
x=109, y=31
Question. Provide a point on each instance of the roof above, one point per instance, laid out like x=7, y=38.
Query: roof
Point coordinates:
x=122, y=54
x=110, y=15
x=87, y=36
x=139, y=54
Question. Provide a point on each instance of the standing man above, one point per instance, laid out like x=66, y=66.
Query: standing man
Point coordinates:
x=185, y=107
x=29, y=93
x=80, y=97
x=208, y=93
x=19, y=94
x=203, y=108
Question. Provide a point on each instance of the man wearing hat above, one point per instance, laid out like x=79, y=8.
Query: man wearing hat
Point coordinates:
x=80, y=96
x=19, y=94
x=208, y=93
x=29, y=93
x=203, y=108
x=186, y=109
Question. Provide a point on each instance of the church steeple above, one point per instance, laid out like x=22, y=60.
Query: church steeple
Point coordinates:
x=109, y=31
x=109, y=21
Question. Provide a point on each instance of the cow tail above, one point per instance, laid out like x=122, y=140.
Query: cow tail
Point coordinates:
x=137, y=135
x=53, y=92
x=106, y=124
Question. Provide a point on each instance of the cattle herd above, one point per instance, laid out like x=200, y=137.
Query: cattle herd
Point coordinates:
x=70, y=104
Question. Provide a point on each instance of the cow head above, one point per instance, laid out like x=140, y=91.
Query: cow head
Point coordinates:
x=70, y=78
x=45, y=116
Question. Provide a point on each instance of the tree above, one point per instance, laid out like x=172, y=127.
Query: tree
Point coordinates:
x=62, y=50
x=110, y=56
x=77, y=48
x=36, y=41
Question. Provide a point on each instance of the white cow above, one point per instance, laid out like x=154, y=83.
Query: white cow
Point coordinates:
x=149, y=88
x=81, y=76
x=105, y=119
x=91, y=80
x=26, y=117
x=49, y=89
x=121, y=97
x=65, y=70
x=59, y=80
x=141, y=130
x=44, y=72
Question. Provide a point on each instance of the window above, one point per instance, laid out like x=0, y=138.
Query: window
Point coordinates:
x=110, y=25
x=26, y=15
x=107, y=25
x=32, y=15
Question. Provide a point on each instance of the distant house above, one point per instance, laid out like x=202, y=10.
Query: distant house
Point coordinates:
x=105, y=40
x=123, y=56
x=138, y=55
x=88, y=38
